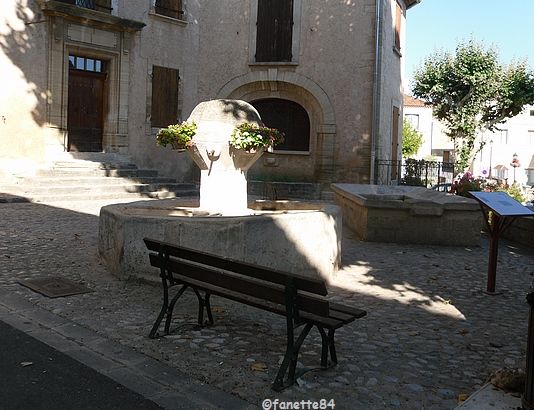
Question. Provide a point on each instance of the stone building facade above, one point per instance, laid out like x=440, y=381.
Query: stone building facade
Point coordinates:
x=104, y=75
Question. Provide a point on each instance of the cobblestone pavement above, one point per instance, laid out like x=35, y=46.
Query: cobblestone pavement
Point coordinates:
x=431, y=332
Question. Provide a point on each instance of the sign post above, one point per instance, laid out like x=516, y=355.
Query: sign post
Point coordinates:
x=504, y=210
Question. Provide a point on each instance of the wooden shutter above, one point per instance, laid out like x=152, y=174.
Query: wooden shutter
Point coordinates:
x=164, y=96
x=103, y=5
x=169, y=8
x=398, y=21
x=274, y=32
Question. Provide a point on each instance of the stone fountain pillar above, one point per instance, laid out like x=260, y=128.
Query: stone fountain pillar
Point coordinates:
x=223, y=169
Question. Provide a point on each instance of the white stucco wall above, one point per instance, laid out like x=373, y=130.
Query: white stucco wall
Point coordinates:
x=23, y=68
x=519, y=141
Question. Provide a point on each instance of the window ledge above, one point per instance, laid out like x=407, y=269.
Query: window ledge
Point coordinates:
x=171, y=20
x=287, y=152
x=397, y=51
x=275, y=63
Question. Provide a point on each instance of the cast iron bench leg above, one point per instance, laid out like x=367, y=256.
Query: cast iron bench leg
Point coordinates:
x=208, y=307
x=290, y=359
x=171, y=308
x=164, y=307
x=203, y=302
x=333, y=354
x=327, y=345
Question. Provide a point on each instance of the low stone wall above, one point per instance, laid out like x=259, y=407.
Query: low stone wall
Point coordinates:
x=522, y=231
x=290, y=236
x=285, y=190
x=403, y=214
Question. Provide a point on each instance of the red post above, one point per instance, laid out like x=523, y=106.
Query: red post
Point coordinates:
x=495, y=226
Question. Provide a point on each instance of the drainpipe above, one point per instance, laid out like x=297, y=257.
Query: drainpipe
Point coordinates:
x=376, y=89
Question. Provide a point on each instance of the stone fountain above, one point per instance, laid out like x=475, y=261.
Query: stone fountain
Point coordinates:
x=293, y=236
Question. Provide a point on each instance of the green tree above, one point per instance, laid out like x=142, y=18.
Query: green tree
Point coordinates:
x=411, y=140
x=471, y=91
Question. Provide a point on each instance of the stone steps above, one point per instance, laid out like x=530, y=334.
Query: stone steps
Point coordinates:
x=81, y=179
x=116, y=188
x=111, y=195
x=98, y=172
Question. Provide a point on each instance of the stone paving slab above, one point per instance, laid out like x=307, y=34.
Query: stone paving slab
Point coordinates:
x=431, y=332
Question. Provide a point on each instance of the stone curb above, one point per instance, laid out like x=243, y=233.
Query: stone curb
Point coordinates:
x=162, y=384
x=490, y=397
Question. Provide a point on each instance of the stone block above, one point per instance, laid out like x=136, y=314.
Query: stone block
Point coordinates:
x=290, y=236
x=403, y=214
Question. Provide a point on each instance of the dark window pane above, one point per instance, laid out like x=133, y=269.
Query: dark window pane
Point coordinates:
x=71, y=61
x=289, y=117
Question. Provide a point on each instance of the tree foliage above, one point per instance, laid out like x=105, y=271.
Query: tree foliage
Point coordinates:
x=411, y=140
x=471, y=91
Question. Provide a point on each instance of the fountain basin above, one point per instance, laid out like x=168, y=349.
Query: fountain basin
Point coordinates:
x=406, y=214
x=291, y=236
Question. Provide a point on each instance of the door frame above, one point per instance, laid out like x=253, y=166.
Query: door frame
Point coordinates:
x=97, y=75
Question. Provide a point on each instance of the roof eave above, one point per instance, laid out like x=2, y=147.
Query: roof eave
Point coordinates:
x=411, y=3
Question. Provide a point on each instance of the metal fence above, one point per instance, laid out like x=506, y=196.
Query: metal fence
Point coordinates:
x=414, y=172
x=99, y=5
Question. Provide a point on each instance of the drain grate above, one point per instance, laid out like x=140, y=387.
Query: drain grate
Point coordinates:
x=54, y=286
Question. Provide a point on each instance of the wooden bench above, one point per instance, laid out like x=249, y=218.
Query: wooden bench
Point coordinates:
x=300, y=299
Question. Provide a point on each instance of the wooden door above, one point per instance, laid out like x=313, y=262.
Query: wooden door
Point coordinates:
x=85, y=111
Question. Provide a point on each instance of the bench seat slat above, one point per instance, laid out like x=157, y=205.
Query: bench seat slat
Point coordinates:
x=306, y=284
x=327, y=322
x=255, y=288
x=357, y=313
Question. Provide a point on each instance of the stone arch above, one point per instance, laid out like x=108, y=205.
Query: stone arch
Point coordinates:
x=313, y=165
x=274, y=76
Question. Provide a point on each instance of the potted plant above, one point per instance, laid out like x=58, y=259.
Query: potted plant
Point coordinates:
x=251, y=138
x=178, y=136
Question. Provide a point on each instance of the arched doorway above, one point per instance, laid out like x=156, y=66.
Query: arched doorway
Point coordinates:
x=289, y=117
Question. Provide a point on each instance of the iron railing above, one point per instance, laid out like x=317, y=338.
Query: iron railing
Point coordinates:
x=414, y=172
x=98, y=5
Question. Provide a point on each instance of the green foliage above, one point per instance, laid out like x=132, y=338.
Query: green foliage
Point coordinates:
x=179, y=136
x=514, y=191
x=412, y=172
x=250, y=137
x=411, y=140
x=470, y=91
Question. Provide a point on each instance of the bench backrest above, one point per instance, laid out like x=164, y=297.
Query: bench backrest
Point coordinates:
x=242, y=277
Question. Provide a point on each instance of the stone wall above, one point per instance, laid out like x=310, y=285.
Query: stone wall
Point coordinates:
x=331, y=77
x=402, y=214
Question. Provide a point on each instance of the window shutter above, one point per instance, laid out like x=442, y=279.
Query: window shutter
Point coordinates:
x=274, y=30
x=164, y=96
x=103, y=5
x=169, y=8
x=398, y=20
